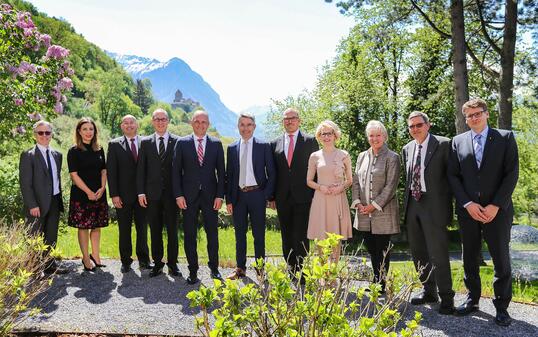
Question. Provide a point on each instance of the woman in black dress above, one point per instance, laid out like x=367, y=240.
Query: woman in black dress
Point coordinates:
x=88, y=208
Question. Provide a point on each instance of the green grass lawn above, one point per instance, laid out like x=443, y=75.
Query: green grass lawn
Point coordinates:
x=68, y=246
x=522, y=291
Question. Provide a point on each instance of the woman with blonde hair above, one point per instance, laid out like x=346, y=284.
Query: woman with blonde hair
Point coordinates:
x=329, y=212
x=374, y=196
x=88, y=208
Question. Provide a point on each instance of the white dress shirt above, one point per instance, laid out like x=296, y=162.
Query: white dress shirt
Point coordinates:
x=55, y=178
x=287, y=142
x=250, y=178
x=204, y=142
x=423, y=152
x=165, y=140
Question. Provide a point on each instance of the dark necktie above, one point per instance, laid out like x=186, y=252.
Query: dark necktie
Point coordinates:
x=50, y=168
x=133, y=150
x=161, y=148
x=415, y=186
x=478, y=149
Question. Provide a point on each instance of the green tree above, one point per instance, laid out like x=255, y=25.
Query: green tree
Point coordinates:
x=142, y=95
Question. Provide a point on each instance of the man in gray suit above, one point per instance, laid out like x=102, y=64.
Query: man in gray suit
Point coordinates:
x=41, y=187
x=428, y=211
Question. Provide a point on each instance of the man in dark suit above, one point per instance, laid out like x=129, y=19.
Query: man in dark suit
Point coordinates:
x=41, y=187
x=483, y=172
x=250, y=178
x=122, y=158
x=428, y=211
x=293, y=197
x=198, y=179
x=154, y=185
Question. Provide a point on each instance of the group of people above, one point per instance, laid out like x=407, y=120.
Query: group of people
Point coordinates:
x=151, y=178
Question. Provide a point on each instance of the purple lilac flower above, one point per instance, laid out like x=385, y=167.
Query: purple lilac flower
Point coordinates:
x=65, y=84
x=56, y=93
x=57, y=52
x=34, y=116
x=40, y=100
x=27, y=67
x=20, y=129
x=5, y=7
x=45, y=40
x=58, y=107
x=18, y=101
x=24, y=21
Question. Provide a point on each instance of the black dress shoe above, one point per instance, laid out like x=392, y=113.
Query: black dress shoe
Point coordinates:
x=125, y=268
x=92, y=268
x=215, y=274
x=423, y=298
x=156, y=271
x=446, y=307
x=145, y=265
x=174, y=271
x=193, y=278
x=466, y=308
x=502, y=318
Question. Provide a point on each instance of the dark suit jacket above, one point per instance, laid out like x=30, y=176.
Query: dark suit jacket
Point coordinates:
x=293, y=179
x=189, y=178
x=153, y=177
x=495, y=180
x=35, y=183
x=262, y=164
x=121, y=170
x=435, y=161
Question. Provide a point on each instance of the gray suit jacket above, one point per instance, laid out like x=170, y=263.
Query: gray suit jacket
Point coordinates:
x=435, y=176
x=383, y=187
x=35, y=183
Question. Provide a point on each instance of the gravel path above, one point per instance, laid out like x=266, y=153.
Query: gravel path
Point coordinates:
x=111, y=302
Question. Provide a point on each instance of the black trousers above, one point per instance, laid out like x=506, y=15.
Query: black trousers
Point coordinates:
x=190, y=226
x=497, y=236
x=428, y=242
x=47, y=225
x=161, y=213
x=293, y=219
x=126, y=214
x=249, y=205
x=377, y=246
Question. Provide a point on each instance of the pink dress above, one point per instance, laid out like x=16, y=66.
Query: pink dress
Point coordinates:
x=329, y=213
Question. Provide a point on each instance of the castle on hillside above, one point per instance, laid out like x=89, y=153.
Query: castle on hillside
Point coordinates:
x=186, y=104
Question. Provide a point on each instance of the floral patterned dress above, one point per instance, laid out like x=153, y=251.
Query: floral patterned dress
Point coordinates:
x=85, y=213
x=329, y=213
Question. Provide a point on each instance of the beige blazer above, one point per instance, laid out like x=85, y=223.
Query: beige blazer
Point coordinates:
x=384, y=182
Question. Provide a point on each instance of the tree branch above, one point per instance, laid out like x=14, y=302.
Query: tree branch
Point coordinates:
x=429, y=21
x=484, y=67
x=485, y=31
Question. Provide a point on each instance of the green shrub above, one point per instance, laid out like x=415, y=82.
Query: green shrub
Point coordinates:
x=331, y=303
x=10, y=194
x=21, y=273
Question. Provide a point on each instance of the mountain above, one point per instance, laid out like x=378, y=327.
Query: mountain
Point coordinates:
x=167, y=77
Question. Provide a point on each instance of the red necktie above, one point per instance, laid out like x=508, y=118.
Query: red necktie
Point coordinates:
x=200, y=151
x=133, y=149
x=290, y=150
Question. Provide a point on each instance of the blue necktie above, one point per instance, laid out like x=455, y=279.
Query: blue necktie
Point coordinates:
x=478, y=149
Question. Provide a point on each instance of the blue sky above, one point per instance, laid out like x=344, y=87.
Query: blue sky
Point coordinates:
x=249, y=50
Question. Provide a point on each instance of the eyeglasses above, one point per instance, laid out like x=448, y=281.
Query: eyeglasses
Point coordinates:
x=477, y=114
x=290, y=119
x=326, y=134
x=160, y=119
x=416, y=126
x=44, y=133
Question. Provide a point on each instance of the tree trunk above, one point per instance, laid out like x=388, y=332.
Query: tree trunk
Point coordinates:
x=459, y=62
x=506, y=85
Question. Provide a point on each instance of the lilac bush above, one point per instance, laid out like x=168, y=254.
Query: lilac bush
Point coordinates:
x=34, y=74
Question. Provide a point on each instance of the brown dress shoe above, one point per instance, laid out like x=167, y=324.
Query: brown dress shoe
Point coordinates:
x=237, y=273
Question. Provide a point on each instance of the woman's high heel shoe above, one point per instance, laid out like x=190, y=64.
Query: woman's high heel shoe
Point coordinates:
x=96, y=264
x=86, y=268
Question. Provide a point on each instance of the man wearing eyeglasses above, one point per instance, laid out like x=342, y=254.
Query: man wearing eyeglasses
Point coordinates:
x=293, y=197
x=483, y=172
x=41, y=187
x=428, y=211
x=154, y=186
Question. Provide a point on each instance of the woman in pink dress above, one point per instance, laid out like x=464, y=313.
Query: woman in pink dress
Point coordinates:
x=329, y=212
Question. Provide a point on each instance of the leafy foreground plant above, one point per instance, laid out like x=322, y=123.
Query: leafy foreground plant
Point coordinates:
x=21, y=269
x=331, y=302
